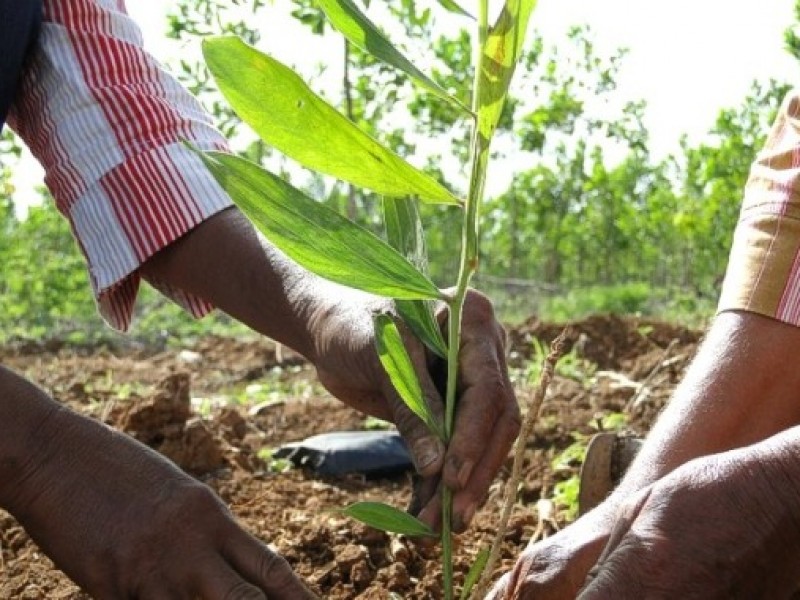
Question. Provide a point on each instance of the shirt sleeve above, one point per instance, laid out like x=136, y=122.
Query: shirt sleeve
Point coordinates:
x=108, y=125
x=763, y=274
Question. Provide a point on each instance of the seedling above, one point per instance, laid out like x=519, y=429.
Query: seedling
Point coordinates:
x=287, y=115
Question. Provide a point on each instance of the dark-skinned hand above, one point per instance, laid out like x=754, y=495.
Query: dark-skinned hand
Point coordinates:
x=722, y=527
x=556, y=567
x=123, y=522
x=224, y=261
x=487, y=416
x=718, y=528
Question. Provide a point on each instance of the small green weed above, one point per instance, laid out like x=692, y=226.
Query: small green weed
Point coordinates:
x=376, y=424
x=565, y=496
x=274, y=465
x=570, y=365
x=615, y=421
x=279, y=384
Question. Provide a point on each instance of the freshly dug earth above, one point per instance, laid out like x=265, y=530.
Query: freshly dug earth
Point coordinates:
x=212, y=407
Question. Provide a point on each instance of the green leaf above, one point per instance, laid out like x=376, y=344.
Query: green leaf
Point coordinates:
x=500, y=55
x=455, y=8
x=281, y=108
x=316, y=237
x=474, y=573
x=404, y=230
x=346, y=17
x=398, y=366
x=405, y=234
x=419, y=316
x=387, y=518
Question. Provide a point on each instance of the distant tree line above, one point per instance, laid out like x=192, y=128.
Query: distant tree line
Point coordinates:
x=587, y=208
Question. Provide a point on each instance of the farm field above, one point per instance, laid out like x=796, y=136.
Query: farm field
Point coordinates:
x=218, y=407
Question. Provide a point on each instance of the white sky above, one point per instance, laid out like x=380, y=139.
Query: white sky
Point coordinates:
x=688, y=58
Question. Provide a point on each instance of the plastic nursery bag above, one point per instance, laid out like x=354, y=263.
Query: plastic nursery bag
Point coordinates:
x=373, y=453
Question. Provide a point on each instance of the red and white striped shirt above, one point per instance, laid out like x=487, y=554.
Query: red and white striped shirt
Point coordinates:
x=108, y=125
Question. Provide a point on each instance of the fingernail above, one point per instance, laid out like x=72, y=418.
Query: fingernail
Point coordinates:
x=460, y=470
x=426, y=452
x=469, y=512
x=463, y=520
x=464, y=472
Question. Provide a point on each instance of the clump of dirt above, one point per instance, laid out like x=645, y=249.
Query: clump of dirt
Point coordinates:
x=165, y=422
x=638, y=366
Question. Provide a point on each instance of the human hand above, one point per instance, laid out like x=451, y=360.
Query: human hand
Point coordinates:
x=123, y=522
x=224, y=262
x=487, y=416
x=556, y=567
x=719, y=527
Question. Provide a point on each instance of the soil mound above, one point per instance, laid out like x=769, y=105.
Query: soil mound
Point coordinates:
x=609, y=341
x=199, y=406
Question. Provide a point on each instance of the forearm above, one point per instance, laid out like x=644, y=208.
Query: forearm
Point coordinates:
x=25, y=412
x=225, y=262
x=742, y=387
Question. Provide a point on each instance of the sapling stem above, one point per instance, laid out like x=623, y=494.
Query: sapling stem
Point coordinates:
x=468, y=263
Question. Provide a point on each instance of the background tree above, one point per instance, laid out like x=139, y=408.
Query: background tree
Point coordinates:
x=589, y=221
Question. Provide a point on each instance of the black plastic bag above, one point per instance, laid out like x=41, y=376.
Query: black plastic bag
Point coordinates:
x=373, y=453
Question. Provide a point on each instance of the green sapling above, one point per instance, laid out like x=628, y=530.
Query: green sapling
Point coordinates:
x=324, y=242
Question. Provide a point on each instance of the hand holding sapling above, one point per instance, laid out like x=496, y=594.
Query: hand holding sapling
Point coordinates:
x=488, y=418
x=339, y=250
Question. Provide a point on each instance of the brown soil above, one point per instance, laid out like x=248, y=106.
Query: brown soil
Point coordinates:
x=179, y=402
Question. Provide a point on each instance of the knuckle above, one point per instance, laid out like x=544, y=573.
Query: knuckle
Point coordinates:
x=502, y=334
x=198, y=498
x=483, y=366
x=408, y=424
x=186, y=506
x=470, y=496
x=513, y=421
x=496, y=389
x=273, y=568
x=478, y=307
x=242, y=590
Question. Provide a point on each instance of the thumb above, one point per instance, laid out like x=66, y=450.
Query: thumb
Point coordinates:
x=263, y=568
x=615, y=561
x=500, y=589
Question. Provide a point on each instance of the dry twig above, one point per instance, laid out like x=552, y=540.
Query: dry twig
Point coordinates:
x=644, y=387
x=510, y=494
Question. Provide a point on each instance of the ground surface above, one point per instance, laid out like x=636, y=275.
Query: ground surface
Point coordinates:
x=215, y=407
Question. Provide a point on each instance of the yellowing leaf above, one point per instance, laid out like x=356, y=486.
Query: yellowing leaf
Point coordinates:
x=501, y=52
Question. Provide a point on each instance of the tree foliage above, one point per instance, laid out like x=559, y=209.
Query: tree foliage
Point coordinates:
x=588, y=207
